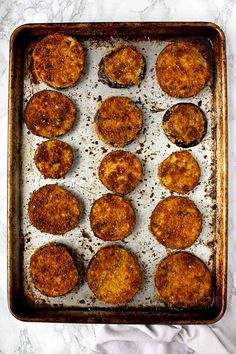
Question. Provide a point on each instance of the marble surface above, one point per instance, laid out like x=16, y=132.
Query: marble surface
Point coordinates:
x=30, y=338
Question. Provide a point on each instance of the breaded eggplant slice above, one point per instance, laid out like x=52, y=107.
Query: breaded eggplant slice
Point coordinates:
x=53, y=209
x=176, y=222
x=180, y=172
x=118, y=121
x=182, y=70
x=58, y=60
x=53, y=158
x=122, y=67
x=53, y=270
x=114, y=275
x=49, y=114
x=183, y=280
x=120, y=171
x=185, y=124
x=112, y=217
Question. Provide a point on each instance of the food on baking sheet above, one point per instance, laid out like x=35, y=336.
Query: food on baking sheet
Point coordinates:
x=112, y=217
x=182, y=279
x=182, y=70
x=185, y=124
x=120, y=171
x=53, y=270
x=179, y=172
x=121, y=67
x=53, y=158
x=58, y=60
x=118, y=121
x=53, y=209
x=176, y=222
x=49, y=114
x=114, y=275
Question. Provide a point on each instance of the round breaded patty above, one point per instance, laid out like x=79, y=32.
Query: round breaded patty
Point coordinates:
x=182, y=70
x=120, y=171
x=58, y=60
x=112, y=217
x=49, y=114
x=176, y=222
x=53, y=209
x=123, y=66
x=182, y=279
x=53, y=158
x=179, y=172
x=53, y=270
x=114, y=275
x=118, y=121
x=185, y=124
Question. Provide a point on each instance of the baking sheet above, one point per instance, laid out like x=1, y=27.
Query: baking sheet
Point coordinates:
x=151, y=146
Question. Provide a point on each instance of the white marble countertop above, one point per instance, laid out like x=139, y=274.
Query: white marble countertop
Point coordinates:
x=30, y=338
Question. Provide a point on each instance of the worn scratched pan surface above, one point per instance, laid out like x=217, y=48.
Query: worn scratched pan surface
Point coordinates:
x=152, y=146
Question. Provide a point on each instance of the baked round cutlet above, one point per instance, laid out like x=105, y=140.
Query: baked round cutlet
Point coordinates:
x=53, y=209
x=185, y=124
x=53, y=270
x=114, y=275
x=182, y=70
x=112, y=217
x=53, y=158
x=118, y=121
x=58, y=60
x=121, y=67
x=120, y=171
x=179, y=172
x=176, y=222
x=49, y=114
x=183, y=280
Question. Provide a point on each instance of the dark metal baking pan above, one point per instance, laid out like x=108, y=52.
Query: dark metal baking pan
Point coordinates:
x=26, y=304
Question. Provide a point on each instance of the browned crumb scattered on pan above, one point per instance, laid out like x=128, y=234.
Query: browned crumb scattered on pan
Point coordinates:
x=185, y=124
x=176, y=222
x=53, y=158
x=179, y=172
x=182, y=70
x=58, y=60
x=53, y=270
x=53, y=209
x=118, y=121
x=120, y=171
x=121, y=67
x=112, y=217
x=49, y=114
x=183, y=280
x=114, y=275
